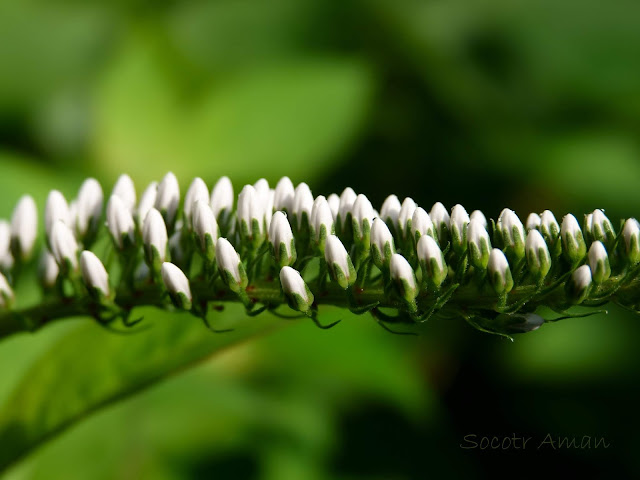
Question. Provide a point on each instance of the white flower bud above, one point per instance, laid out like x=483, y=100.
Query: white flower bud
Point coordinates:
x=499, y=272
x=283, y=247
x=602, y=229
x=599, y=262
x=56, y=209
x=382, y=244
x=631, y=235
x=533, y=221
x=479, y=216
x=580, y=284
x=262, y=189
x=250, y=213
x=405, y=217
x=573, y=242
x=440, y=218
x=339, y=263
x=347, y=199
x=147, y=201
x=421, y=224
x=321, y=222
x=48, y=270
x=197, y=192
x=363, y=215
x=298, y=294
x=168, y=198
x=334, y=204
x=88, y=209
x=177, y=284
x=459, y=223
x=120, y=223
x=431, y=260
x=94, y=274
x=6, y=293
x=302, y=205
x=537, y=253
x=479, y=244
x=24, y=227
x=231, y=268
x=222, y=199
x=404, y=278
x=155, y=239
x=588, y=226
x=283, y=197
x=64, y=246
x=126, y=190
x=511, y=233
x=205, y=228
x=6, y=259
x=390, y=210
x=549, y=227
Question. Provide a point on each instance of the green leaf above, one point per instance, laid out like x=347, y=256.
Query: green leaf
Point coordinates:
x=91, y=368
x=291, y=118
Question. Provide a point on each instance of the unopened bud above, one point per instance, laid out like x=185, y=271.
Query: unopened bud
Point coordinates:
x=205, y=229
x=631, y=235
x=404, y=278
x=89, y=210
x=421, y=224
x=602, y=229
x=405, y=217
x=94, y=275
x=24, y=227
x=340, y=265
x=147, y=201
x=479, y=244
x=197, y=192
x=538, y=257
x=382, y=244
x=431, y=260
x=390, y=210
x=283, y=197
x=533, y=221
x=120, y=223
x=222, y=200
x=283, y=248
x=251, y=221
x=511, y=232
x=64, y=247
x=499, y=272
x=177, y=284
x=155, y=239
x=459, y=222
x=599, y=262
x=168, y=198
x=231, y=268
x=441, y=220
x=363, y=216
x=573, y=242
x=296, y=290
x=321, y=222
x=579, y=285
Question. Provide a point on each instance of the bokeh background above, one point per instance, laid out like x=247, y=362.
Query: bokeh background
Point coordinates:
x=491, y=103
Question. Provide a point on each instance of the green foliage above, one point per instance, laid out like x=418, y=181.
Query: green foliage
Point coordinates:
x=90, y=368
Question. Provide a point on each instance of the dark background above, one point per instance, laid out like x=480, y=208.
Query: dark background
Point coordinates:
x=491, y=104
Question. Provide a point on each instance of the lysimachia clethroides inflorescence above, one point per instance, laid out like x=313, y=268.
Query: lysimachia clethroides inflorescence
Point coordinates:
x=273, y=247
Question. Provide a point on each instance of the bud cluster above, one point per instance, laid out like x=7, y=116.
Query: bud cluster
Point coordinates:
x=405, y=256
